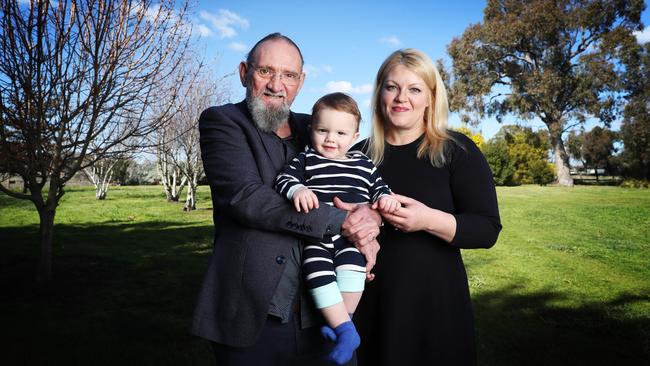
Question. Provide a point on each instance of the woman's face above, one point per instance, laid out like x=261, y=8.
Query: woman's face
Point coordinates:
x=404, y=98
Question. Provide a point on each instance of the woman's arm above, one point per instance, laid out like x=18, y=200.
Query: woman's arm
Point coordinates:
x=475, y=222
x=416, y=216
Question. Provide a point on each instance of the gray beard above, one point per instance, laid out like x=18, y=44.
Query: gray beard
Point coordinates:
x=267, y=119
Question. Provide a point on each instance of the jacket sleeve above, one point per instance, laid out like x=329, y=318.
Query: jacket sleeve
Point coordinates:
x=238, y=169
x=476, y=210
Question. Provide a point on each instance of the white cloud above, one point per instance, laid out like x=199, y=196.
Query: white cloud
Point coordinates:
x=643, y=36
x=203, y=30
x=366, y=103
x=347, y=87
x=238, y=46
x=313, y=70
x=225, y=22
x=391, y=40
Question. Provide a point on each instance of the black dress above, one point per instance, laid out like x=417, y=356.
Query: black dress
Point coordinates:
x=418, y=311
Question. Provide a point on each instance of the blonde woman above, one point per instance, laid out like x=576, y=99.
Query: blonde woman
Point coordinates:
x=418, y=309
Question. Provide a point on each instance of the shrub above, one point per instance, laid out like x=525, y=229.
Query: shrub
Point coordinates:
x=635, y=183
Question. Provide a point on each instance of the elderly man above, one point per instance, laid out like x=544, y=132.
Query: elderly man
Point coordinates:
x=252, y=305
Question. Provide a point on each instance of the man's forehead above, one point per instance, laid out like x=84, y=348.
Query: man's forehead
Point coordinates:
x=277, y=53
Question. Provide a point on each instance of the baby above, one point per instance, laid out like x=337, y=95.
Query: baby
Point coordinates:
x=334, y=269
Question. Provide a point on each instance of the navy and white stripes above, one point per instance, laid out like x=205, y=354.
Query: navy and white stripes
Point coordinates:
x=354, y=180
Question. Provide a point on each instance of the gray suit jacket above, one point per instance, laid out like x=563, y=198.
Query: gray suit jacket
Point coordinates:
x=255, y=227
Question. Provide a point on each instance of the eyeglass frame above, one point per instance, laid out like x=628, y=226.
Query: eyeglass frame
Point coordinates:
x=283, y=75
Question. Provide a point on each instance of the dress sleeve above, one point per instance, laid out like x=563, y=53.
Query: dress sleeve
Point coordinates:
x=476, y=210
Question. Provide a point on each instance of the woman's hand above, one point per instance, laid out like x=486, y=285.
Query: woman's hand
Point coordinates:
x=416, y=216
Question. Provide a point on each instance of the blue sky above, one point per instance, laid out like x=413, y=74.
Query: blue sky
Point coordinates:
x=343, y=42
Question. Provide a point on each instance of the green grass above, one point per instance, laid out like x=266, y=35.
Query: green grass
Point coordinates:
x=567, y=283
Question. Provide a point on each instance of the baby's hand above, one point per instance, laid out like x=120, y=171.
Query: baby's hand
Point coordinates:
x=304, y=198
x=388, y=204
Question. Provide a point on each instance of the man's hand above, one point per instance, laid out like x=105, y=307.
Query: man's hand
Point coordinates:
x=370, y=251
x=361, y=226
x=305, y=199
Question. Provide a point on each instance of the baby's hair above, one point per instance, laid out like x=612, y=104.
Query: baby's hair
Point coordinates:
x=337, y=101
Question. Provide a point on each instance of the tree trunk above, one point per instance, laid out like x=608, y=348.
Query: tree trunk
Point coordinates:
x=190, y=200
x=562, y=168
x=46, y=215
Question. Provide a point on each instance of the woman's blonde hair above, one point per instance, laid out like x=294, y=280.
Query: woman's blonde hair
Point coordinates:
x=435, y=119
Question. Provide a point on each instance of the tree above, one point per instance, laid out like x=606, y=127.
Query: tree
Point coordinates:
x=178, y=153
x=635, y=128
x=520, y=156
x=559, y=61
x=574, y=143
x=593, y=148
x=477, y=137
x=171, y=177
x=100, y=174
x=528, y=151
x=76, y=81
x=121, y=170
x=503, y=168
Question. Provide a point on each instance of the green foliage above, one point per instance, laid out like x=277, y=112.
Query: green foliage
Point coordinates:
x=121, y=171
x=635, y=183
x=635, y=128
x=567, y=281
x=541, y=172
x=477, y=137
x=517, y=155
x=503, y=168
x=593, y=148
x=144, y=172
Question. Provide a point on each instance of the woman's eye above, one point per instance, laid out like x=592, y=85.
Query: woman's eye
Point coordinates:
x=390, y=87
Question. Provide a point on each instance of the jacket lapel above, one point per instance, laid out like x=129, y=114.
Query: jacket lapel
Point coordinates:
x=270, y=141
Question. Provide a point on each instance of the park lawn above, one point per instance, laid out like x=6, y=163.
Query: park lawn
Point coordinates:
x=567, y=283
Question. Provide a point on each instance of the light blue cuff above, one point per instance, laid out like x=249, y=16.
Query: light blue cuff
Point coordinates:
x=293, y=190
x=327, y=295
x=350, y=281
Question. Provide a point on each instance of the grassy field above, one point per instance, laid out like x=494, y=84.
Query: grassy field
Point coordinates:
x=567, y=283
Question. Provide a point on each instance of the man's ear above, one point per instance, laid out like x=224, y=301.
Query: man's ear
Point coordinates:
x=356, y=135
x=242, y=73
x=303, y=76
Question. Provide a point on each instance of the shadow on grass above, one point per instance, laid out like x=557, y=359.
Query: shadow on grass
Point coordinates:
x=122, y=294
x=528, y=329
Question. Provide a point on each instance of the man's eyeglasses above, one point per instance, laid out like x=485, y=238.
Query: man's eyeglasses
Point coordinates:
x=287, y=78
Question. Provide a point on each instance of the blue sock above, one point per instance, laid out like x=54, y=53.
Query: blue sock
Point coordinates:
x=328, y=332
x=347, y=340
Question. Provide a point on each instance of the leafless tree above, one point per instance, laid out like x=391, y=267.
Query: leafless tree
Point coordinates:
x=76, y=81
x=178, y=153
x=166, y=147
x=100, y=172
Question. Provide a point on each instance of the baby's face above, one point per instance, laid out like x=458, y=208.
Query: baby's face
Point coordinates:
x=333, y=133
